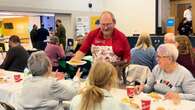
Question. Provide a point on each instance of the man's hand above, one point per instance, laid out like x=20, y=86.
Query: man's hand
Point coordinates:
x=78, y=56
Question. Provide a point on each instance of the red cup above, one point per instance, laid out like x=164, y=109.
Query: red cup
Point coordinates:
x=130, y=91
x=17, y=77
x=145, y=104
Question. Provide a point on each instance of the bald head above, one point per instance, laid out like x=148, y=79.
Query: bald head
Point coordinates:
x=107, y=23
x=107, y=15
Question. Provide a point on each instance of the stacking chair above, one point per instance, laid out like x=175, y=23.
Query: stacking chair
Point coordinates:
x=136, y=74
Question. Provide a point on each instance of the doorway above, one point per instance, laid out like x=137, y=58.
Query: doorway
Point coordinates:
x=180, y=8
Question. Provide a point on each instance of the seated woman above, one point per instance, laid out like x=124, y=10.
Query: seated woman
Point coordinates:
x=54, y=51
x=40, y=92
x=169, y=77
x=186, y=54
x=96, y=95
x=143, y=53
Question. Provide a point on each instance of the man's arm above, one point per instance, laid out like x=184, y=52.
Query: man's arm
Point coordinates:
x=127, y=52
x=85, y=47
x=78, y=56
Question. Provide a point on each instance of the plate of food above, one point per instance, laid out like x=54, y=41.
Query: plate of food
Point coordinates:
x=132, y=102
x=76, y=63
x=155, y=96
x=2, y=80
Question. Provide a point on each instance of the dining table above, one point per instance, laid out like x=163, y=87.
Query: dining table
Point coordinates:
x=11, y=85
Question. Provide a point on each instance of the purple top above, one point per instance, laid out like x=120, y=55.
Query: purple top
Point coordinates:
x=54, y=52
x=186, y=61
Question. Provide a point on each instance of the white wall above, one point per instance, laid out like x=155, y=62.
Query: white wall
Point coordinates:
x=34, y=20
x=133, y=16
x=74, y=5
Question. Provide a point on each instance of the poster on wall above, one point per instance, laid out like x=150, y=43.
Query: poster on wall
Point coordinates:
x=94, y=22
x=1, y=29
x=82, y=25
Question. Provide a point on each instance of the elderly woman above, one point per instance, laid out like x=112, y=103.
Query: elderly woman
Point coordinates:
x=54, y=51
x=144, y=53
x=169, y=77
x=40, y=92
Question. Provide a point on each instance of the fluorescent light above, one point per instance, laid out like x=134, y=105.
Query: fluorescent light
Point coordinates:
x=25, y=14
x=3, y=17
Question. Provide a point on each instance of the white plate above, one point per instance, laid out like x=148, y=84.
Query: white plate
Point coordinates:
x=76, y=63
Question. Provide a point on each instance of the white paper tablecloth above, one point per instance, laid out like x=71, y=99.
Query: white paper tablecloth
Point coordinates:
x=167, y=104
x=9, y=93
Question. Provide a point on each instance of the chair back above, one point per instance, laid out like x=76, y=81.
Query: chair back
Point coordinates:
x=137, y=73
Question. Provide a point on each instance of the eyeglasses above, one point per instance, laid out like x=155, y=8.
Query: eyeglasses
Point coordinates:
x=107, y=25
x=160, y=57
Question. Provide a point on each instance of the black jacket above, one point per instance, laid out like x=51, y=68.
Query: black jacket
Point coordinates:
x=16, y=59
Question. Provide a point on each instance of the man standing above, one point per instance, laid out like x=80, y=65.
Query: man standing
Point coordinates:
x=188, y=15
x=61, y=32
x=106, y=43
x=33, y=36
x=42, y=34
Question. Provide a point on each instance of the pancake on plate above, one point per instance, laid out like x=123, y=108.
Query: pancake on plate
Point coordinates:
x=130, y=102
x=74, y=62
x=155, y=95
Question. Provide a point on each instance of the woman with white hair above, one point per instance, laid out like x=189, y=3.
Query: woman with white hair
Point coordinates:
x=54, y=51
x=41, y=92
x=168, y=77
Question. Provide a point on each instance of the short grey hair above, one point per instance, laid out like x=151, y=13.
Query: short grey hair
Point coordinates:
x=169, y=50
x=38, y=63
x=169, y=38
x=53, y=39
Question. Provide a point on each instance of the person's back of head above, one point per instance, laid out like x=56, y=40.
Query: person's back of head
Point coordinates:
x=14, y=40
x=144, y=41
x=189, y=7
x=35, y=26
x=169, y=38
x=39, y=64
x=102, y=75
x=54, y=40
x=59, y=21
x=185, y=46
x=42, y=25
